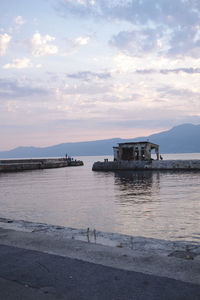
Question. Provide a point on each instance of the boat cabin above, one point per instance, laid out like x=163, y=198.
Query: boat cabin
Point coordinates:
x=135, y=151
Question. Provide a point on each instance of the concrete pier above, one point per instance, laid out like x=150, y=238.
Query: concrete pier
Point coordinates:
x=13, y=165
x=41, y=261
x=147, y=165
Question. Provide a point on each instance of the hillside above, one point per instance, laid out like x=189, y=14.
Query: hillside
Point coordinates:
x=184, y=138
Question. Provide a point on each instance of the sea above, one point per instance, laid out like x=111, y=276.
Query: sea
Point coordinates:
x=163, y=205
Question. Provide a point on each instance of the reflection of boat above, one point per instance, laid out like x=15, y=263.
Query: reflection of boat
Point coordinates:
x=137, y=156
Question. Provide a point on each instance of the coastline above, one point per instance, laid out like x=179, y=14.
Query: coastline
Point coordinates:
x=175, y=260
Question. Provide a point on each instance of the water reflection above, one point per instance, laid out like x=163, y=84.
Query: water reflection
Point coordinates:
x=145, y=203
x=128, y=179
x=136, y=186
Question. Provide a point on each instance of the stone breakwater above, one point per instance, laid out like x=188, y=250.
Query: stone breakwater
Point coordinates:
x=13, y=165
x=147, y=165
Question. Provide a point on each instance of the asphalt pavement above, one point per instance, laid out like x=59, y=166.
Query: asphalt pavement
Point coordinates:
x=28, y=274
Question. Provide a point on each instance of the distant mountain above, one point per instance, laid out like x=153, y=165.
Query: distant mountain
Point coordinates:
x=184, y=138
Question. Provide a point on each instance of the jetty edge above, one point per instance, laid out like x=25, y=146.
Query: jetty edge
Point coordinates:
x=13, y=165
x=137, y=156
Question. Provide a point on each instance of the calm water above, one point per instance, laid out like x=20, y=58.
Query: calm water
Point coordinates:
x=153, y=204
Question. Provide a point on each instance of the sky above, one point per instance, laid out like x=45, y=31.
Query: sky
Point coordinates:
x=80, y=70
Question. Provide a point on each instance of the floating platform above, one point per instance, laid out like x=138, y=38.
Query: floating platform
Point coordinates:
x=147, y=165
x=13, y=165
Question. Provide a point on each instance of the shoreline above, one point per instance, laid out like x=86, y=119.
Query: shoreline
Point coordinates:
x=173, y=259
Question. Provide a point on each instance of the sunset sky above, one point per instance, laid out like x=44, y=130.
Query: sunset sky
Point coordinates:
x=77, y=70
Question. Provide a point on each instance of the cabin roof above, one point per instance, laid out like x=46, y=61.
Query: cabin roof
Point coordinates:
x=136, y=143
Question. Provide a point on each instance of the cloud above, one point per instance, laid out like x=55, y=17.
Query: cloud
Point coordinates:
x=40, y=45
x=165, y=41
x=138, y=123
x=137, y=42
x=106, y=123
x=86, y=89
x=10, y=89
x=179, y=93
x=18, y=64
x=19, y=20
x=4, y=41
x=178, y=12
x=167, y=27
x=87, y=75
x=168, y=71
x=74, y=44
x=81, y=8
x=185, y=41
x=80, y=41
